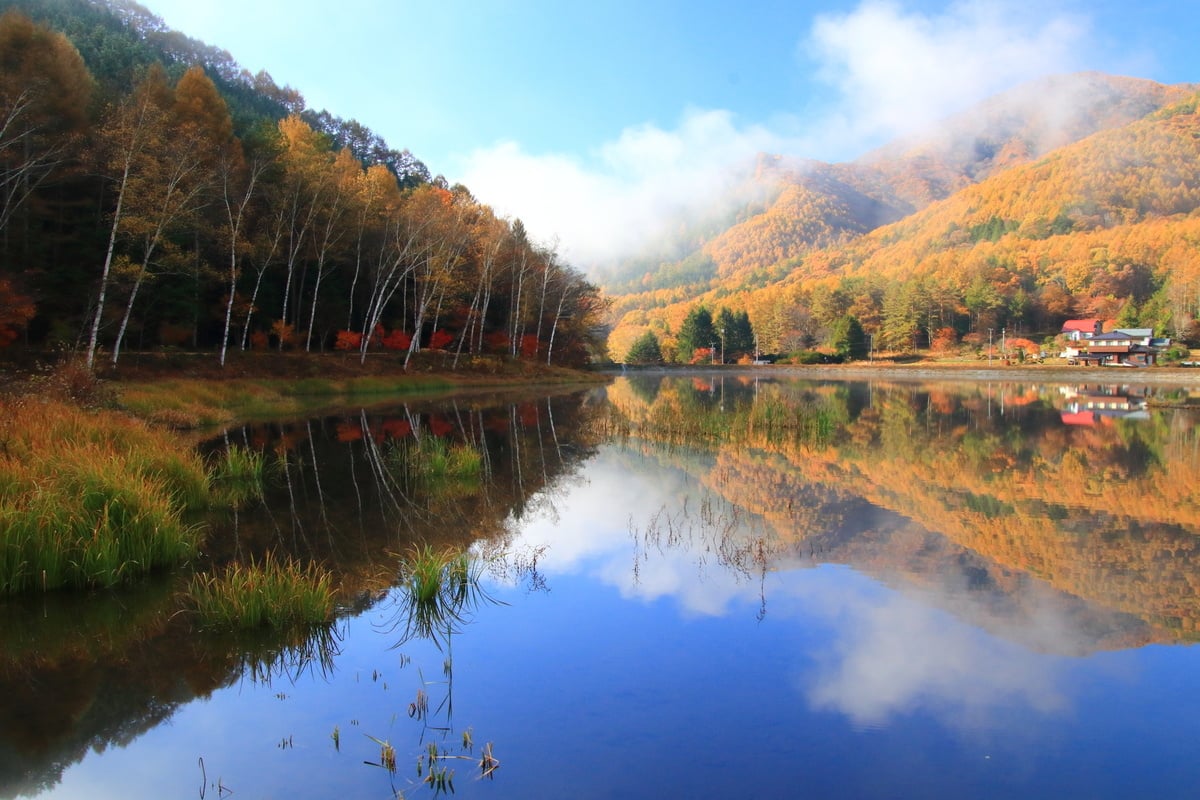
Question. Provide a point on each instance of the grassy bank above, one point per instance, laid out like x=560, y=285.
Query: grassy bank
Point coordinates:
x=91, y=498
x=198, y=403
x=192, y=393
x=95, y=490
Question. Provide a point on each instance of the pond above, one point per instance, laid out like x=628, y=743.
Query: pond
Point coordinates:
x=712, y=585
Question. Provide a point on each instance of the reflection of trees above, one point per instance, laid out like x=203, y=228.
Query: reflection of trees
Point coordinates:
x=80, y=676
x=1107, y=513
x=88, y=672
x=338, y=496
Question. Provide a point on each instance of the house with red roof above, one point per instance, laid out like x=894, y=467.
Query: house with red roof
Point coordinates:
x=1076, y=329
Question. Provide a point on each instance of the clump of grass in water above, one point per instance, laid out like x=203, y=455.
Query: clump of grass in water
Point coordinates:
x=267, y=593
x=91, y=498
x=432, y=461
x=438, y=591
x=237, y=476
x=387, y=754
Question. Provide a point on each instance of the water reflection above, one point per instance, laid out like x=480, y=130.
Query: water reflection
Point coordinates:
x=808, y=561
x=91, y=673
x=1106, y=513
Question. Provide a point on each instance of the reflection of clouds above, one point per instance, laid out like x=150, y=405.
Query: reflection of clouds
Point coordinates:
x=890, y=655
x=596, y=537
x=881, y=653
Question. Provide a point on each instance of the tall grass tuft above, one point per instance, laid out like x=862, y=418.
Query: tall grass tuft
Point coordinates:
x=432, y=461
x=274, y=593
x=439, y=590
x=91, y=498
x=237, y=476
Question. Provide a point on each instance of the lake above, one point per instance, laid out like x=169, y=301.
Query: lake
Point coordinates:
x=713, y=585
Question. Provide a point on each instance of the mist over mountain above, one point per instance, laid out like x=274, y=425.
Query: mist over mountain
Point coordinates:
x=1057, y=157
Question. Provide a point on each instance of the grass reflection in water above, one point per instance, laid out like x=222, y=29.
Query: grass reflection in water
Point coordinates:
x=438, y=592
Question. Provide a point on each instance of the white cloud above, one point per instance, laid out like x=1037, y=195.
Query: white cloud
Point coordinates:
x=893, y=71
x=634, y=189
x=896, y=72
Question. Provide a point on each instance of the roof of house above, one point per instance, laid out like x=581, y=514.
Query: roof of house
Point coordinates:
x=1137, y=333
x=1082, y=325
x=1079, y=417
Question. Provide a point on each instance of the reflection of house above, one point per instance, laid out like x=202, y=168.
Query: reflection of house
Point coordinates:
x=1087, y=405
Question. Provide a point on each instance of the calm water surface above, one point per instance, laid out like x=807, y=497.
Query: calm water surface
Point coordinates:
x=702, y=586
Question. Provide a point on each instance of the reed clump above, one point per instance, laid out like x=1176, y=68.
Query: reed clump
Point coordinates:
x=439, y=590
x=279, y=594
x=238, y=475
x=432, y=461
x=91, y=498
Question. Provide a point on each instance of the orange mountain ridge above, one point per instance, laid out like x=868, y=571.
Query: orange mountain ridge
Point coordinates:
x=1071, y=196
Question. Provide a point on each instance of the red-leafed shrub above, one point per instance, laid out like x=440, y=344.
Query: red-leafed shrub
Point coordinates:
x=497, y=342
x=16, y=309
x=396, y=340
x=348, y=340
x=944, y=339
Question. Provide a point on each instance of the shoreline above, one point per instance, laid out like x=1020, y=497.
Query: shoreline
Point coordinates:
x=1040, y=373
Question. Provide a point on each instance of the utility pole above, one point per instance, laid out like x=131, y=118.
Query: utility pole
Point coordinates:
x=989, y=347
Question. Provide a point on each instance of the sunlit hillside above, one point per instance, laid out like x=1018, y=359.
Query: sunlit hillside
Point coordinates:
x=1018, y=214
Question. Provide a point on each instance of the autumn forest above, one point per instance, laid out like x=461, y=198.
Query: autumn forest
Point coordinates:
x=1074, y=196
x=156, y=195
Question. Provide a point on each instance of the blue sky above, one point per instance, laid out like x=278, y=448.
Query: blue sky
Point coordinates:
x=594, y=121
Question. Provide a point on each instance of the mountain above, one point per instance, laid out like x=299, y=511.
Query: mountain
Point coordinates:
x=1067, y=156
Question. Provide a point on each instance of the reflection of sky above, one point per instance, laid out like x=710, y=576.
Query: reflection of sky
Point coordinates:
x=886, y=654
x=665, y=684
x=890, y=655
x=605, y=514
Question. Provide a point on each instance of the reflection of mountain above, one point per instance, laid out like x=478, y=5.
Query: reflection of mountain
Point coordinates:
x=1107, y=515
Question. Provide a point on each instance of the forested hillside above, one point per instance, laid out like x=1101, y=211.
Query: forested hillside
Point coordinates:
x=156, y=194
x=1073, y=196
